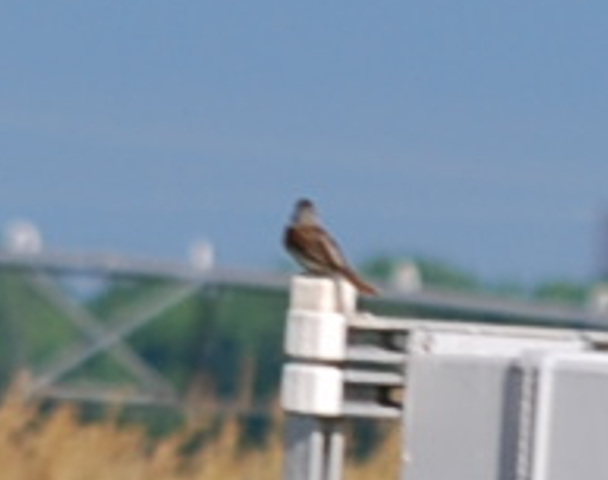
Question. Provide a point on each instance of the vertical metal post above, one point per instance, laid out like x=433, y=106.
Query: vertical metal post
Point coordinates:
x=335, y=451
x=313, y=381
x=315, y=448
x=304, y=448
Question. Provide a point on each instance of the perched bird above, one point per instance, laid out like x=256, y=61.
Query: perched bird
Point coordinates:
x=315, y=250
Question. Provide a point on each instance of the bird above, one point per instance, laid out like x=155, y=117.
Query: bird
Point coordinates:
x=315, y=249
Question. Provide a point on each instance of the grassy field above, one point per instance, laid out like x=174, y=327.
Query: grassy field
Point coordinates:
x=59, y=446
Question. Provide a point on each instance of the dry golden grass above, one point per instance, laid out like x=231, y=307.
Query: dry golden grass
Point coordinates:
x=58, y=446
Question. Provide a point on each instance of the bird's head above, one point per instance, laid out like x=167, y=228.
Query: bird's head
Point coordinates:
x=304, y=212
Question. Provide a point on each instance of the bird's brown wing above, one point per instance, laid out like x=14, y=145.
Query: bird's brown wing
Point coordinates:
x=316, y=245
x=314, y=248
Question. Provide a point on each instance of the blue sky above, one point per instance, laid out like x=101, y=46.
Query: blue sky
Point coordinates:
x=473, y=131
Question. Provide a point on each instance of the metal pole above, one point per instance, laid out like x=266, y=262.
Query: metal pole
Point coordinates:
x=315, y=448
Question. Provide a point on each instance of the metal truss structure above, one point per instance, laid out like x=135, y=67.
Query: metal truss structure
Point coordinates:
x=181, y=281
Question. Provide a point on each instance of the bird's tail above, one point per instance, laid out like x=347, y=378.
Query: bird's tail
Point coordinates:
x=358, y=282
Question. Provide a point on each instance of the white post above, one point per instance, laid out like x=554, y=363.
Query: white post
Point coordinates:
x=312, y=389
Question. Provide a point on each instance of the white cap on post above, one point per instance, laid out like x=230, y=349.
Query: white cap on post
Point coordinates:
x=316, y=335
x=317, y=319
x=312, y=389
x=322, y=294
